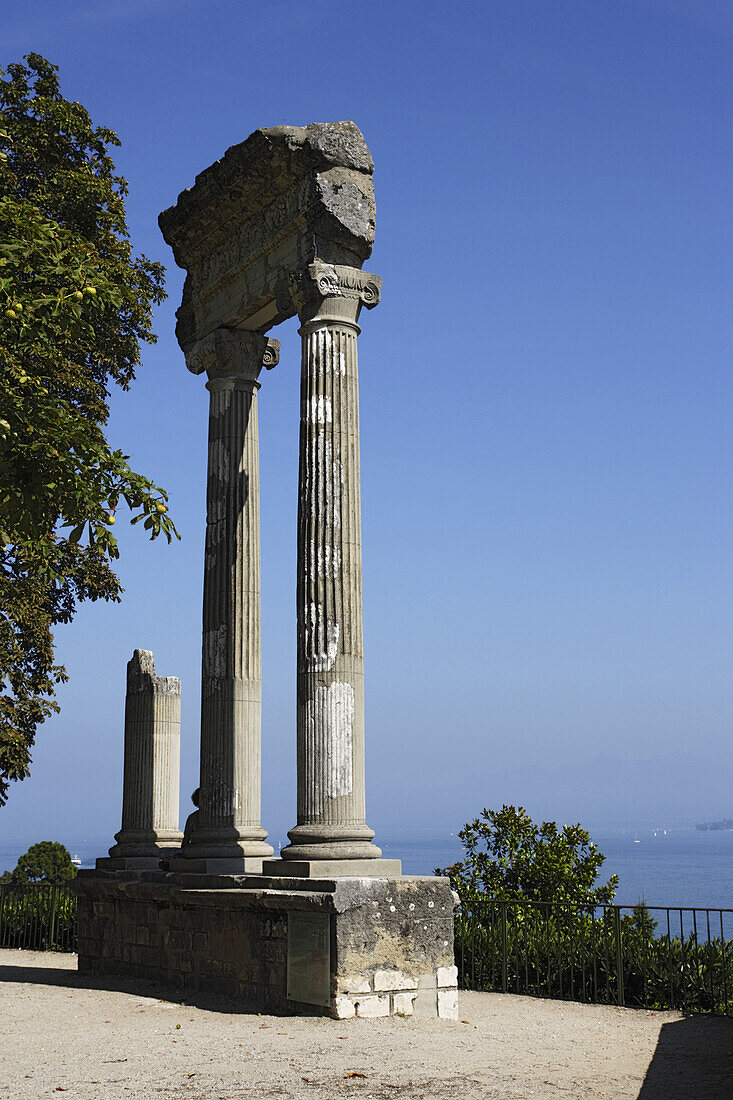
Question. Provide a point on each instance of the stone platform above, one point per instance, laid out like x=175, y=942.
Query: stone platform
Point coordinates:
x=332, y=868
x=342, y=947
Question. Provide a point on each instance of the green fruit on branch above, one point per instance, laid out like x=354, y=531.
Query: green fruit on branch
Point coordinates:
x=66, y=242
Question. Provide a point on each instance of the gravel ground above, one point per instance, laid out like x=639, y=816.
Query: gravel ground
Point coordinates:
x=59, y=1034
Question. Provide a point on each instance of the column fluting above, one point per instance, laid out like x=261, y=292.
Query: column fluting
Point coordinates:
x=151, y=765
x=228, y=824
x=330, y=658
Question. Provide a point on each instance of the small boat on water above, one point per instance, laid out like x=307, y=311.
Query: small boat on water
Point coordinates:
x=76, y=861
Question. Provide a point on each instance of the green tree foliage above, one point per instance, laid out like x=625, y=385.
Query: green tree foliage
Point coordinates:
x=605, y=955
x=45, y=862
x=510, y=857
x=75, y=303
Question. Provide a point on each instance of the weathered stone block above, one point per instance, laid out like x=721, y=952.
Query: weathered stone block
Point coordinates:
x=277, y=977
x=273, y=950
x=176, y=938
x=372, y=1005
x=425, y=1005
x=448, y=1004
x=268, y=208
x=402, y=1003
x=152, y=957
x=343, y=1008
x=447, y=975
x=230, y=941
x=353, y=983
x=385, y=980
x=279, y=929
x=152, y=752
x=161, y=916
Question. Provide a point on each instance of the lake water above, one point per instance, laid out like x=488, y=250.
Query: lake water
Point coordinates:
x=683, y=868
x=687, y=868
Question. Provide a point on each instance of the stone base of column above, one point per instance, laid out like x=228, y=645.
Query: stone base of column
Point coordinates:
x=228, y=843
x=132, y=863
x=150, y=844
x=354, y=947
x=331, y=842
x=332, y=868
x=141, y=851
x=245, y=865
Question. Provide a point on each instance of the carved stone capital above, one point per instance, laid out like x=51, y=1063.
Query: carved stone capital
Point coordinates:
x=273, y=204
x=333, y=292
x=230, y=354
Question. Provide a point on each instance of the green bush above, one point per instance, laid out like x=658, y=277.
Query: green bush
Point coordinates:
x=37, y=917
x=509, y=857
x=47, y=861
x=534, y=919
x=577, y=953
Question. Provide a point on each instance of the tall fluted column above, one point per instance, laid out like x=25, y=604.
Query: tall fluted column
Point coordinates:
x=151, y=769
x=330, y=707
x=228, y=835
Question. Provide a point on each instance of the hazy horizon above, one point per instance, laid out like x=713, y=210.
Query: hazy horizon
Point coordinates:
x=681, y=797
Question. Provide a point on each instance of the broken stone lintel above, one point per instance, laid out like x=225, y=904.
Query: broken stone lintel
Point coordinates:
x=273, y=204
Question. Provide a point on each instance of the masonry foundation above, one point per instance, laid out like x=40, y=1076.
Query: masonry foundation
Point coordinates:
x=342, y=947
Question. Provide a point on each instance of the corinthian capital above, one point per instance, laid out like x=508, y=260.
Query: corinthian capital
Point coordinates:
x=332, y=291
x=233, y=354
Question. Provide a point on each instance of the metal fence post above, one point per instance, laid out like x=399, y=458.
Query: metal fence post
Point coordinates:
x=619, y=956
x=668, y=972
x=52, y=918
x=504, y=982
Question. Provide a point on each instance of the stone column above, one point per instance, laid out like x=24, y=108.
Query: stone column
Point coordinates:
x=331, y=825
x=151, y=770
x=228, y=836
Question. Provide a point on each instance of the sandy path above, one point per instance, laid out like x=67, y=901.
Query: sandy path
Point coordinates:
x=57, y=1034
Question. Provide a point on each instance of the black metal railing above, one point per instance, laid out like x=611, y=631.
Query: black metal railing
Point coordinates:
x=37, y=917
x=641, y=956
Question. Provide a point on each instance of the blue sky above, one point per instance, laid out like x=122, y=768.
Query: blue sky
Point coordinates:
x=545, y=400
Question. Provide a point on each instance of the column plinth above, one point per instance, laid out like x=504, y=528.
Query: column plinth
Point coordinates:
x=331, y=826
x=228, y=835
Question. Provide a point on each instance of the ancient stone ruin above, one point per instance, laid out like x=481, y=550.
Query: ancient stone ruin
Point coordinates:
x=280, y=226
x=152, y=766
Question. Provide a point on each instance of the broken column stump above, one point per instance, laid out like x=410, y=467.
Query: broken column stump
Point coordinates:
x=151, y=770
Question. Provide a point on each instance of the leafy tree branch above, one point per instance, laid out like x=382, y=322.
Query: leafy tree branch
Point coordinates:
x=75, y=304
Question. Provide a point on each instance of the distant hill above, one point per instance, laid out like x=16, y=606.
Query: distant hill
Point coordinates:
x=726, y=825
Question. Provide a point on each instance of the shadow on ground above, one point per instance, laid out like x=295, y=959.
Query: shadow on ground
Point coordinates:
x=138, y=987
x=693, y=1060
